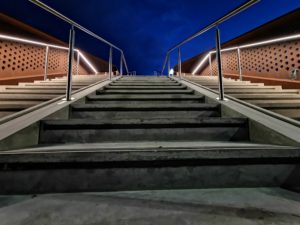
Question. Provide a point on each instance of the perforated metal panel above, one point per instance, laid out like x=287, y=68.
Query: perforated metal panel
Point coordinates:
x=18, y=59
x=275, y=60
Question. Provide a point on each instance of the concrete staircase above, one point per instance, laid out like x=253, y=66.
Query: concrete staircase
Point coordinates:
x=141, y=133
x=283, y=101
x=14, y=98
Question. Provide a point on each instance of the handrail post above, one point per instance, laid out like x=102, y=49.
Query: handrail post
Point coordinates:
x=179, y=63
x=70, y=63
x=78, y=63
x=169, y=65
x=46, y=63
x=121, y=65
x=239, y=63
x=219, y=63
x=210, y=64
x=110, y=62
x=125, y=64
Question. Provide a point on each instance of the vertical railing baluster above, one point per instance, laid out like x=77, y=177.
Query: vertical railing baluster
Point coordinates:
x=110, y=62
x=78, y=62
x=70, y=64
x=46, y=63
x=239, y=63
x=179, y=63
x=169, y=65
x=219, y=64
x=121, y=65
x=210, y=65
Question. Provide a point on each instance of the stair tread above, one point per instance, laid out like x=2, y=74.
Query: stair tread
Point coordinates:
x=266, y=96
x=144, y=105
x=86, y=123
x=137, y=151
x=132, y=87
x=39, y=88
x=144, y=97
x=145, y=91
x=7, y=97
x=144, y=84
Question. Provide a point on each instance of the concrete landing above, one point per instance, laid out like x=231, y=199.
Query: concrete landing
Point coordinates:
x=249, y=206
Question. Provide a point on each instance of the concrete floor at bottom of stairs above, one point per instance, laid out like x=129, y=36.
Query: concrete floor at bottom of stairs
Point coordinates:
x=206, y=206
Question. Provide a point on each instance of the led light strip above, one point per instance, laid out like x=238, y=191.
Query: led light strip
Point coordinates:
x=27, y=41
x=87, y=62
x=271, y=41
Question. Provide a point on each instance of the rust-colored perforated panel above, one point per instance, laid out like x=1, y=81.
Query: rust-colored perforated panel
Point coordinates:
x=18, y=59
x=275, y=60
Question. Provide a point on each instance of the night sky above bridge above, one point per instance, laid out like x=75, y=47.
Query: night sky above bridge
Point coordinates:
x=146, y=29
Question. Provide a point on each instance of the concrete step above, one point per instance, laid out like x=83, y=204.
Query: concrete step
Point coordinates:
x=40, y=88
x=17, y=97
x=273, y=104
x=149, y=92
x=17, y=104
x=232, y=87
x=64, y=82
x=225, y=81
x=145, y=106
x=266, y=96
x=146, y=166
x=147, y=98
x=161, y=207
x=292, y=112
x=52, y=85
x=119, y=83
x=232, y=83
x=91, y=131
x=133, y=87
x=260, y=91
x=152, y=81
x=34, y=92
x=150, y=111
x=11, y=107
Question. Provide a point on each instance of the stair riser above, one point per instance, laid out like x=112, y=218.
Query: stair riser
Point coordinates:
x=142, y=134
x=160, y=175
x=42, y=88
x=138, y=102
x=142, y=115
x=149, y=92
x=145, y=84
x=144, y=88
x=6, y=113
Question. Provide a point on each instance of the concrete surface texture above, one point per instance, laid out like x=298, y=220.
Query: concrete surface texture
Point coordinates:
x=14, y=98
x=162, y=142
x=250, y=206
x=282, y=101
x=139, y=133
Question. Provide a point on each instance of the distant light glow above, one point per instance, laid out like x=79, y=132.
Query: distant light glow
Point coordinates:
x=271, y=41
x=27, y=41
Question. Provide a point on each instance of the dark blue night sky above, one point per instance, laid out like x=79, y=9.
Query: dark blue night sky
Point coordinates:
x=146, y=29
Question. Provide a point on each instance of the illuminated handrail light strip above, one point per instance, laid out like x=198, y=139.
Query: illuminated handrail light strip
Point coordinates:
x=271, y=41
x=38, y=43
x=87, y=62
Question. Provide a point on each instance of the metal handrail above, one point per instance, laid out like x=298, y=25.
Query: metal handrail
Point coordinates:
x=234, y=12
x=215, y=24
x=71, y=22
x=72, y=41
